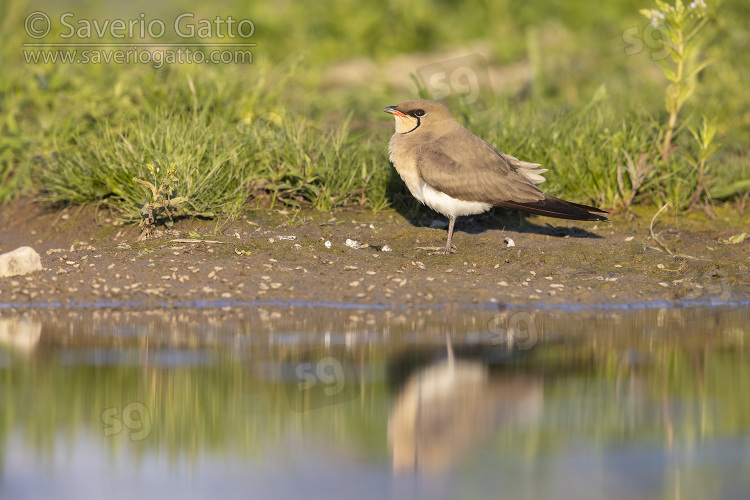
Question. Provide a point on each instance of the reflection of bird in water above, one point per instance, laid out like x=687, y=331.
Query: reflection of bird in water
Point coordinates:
x=448, y=407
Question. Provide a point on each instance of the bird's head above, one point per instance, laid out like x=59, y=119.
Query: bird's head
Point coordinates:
x=418, y=113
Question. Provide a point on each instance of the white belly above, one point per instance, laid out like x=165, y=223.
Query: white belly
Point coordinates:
x=446, y=205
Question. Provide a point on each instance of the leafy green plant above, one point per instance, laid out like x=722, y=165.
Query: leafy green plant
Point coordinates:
x=682, y=25
x=704, y=139
x=160, y=197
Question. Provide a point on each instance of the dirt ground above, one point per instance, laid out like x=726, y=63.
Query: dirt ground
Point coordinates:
x=282, y=257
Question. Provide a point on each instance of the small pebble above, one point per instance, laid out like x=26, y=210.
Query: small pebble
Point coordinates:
x=328, y=244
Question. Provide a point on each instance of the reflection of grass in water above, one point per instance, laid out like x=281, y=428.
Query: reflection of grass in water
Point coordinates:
x=80, y=133
x=676, y=379
x=219, y=407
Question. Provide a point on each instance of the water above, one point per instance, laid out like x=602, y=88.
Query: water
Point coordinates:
x=329, y=402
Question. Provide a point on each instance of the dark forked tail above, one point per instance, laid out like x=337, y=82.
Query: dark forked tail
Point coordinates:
x=555, y=207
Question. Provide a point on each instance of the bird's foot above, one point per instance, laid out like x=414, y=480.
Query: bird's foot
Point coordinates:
x=438, y=250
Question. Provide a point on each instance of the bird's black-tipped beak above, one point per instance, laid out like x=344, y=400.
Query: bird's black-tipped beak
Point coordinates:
x=393, y=110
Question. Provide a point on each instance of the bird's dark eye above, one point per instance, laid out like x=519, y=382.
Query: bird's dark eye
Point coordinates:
x=419, y=112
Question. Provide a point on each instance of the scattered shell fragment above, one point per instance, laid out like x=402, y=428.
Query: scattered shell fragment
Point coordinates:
x=509, y=242
x=356, y=244
x=328, y=244
x=287, y=238
x=630, y=238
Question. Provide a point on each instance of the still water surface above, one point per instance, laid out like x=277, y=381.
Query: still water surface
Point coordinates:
x=279, y=402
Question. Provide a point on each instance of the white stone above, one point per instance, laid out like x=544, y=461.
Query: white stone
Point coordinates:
x=22, y=260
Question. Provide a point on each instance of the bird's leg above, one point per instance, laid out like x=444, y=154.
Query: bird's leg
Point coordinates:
x=450, y=234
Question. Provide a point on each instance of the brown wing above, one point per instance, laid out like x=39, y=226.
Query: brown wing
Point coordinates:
x=475, y=171
x=465, y=167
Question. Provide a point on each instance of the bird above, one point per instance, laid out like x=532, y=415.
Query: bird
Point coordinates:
x=456, y=173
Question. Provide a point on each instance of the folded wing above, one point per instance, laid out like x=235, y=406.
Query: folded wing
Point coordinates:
x=475, y=171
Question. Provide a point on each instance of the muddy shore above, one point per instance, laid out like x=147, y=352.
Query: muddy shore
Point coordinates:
x=282, y=257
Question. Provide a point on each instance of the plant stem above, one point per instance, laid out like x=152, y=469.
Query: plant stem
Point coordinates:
x=699, y=188
x=676, y=105
x=654, y=236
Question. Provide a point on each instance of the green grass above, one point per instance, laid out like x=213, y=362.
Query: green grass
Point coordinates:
x=278, y=132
